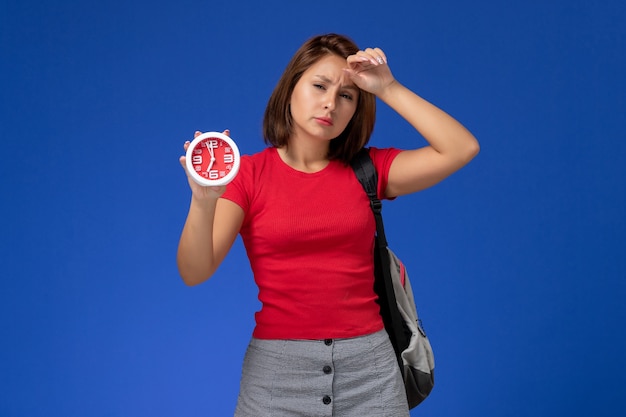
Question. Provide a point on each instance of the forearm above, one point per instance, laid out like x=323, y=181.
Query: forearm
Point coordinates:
x=195, y=257
x=444, y=134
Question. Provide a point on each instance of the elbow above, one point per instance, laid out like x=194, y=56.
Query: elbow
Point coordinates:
x=191, y=281
x=471, y=150
x=474, y=149
x=194, y=269
x=192, y=277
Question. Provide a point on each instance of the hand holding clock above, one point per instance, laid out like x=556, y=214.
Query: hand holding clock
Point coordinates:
x=211, y=161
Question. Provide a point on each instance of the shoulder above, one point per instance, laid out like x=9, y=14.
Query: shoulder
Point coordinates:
x=255, y=162
x=383, y=157
x=260, y=158
x=241, y=190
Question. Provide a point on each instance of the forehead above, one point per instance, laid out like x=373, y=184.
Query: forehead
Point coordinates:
x=329, y=67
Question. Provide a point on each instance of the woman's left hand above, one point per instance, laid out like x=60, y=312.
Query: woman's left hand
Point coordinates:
x=368, y=69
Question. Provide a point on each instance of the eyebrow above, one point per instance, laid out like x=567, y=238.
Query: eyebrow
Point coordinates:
x=346, y=86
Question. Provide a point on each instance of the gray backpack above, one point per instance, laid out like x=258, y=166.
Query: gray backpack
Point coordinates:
x=397, y=306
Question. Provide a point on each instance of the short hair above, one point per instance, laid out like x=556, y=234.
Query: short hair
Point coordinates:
x=277, y=121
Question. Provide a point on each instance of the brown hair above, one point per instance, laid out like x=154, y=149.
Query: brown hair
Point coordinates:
x=277, y=122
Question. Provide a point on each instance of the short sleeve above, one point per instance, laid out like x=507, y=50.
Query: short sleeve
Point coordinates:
x=382, y=158
x=238, y=190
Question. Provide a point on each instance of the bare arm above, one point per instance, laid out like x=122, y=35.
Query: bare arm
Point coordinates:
x=450, y=145
x=209, y=232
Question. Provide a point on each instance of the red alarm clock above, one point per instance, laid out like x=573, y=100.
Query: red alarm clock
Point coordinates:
x=213, y=159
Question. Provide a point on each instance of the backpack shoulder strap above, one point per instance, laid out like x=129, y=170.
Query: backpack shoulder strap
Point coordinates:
x=365, y=171
x=383, y=283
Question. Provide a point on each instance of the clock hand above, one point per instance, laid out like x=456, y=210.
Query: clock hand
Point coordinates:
x=212, y=152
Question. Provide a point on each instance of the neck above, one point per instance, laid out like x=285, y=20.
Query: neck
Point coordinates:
x=306, y=157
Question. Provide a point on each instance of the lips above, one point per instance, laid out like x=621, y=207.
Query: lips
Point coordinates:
x=326, y=121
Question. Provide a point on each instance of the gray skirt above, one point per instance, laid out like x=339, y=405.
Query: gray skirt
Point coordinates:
x=331, y=377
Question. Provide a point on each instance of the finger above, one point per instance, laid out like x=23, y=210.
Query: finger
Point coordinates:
x=379, y=52
x=376, y=55
x=186, y=145
x=227, y=132
x=369, y=54
x=359, y=56
x=359, y=62
x=198, y=133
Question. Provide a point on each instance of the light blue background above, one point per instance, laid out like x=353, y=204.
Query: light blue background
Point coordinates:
x=518, y=261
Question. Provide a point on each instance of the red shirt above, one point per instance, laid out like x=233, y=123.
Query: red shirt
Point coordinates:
x=310, y=241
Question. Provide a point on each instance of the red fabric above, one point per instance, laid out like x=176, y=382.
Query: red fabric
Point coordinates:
x=310, y=241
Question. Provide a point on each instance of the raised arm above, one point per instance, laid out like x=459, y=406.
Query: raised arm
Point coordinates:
x=450, y=145
x=209, y=232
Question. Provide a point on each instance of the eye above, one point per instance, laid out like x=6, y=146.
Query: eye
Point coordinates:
x=319, y=86
x=346, y=96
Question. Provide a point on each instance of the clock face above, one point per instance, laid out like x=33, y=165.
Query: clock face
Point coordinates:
x=212, y=159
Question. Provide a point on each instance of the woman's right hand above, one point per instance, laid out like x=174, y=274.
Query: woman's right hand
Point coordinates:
x=205, y=241
x=199, y=192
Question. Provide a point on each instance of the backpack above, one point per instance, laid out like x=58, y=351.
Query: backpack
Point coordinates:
x=397, y=305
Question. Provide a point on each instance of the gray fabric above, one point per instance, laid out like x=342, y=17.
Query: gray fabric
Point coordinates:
x=419, y=354
x=345, y=378
x=418, y=359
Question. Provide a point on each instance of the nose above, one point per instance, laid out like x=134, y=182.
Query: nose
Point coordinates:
x=330, y=102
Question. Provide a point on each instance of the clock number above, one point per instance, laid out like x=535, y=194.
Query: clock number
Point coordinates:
x=228, y=158
x=211, y=144
x=196, y=159
x=213, y=174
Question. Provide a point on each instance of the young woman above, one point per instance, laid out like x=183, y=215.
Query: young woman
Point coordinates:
x=319, y=346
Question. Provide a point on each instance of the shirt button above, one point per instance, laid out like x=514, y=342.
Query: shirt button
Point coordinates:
x=326, y=400
x=328, y=342
x=327, y=369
